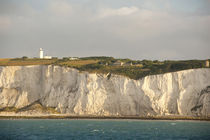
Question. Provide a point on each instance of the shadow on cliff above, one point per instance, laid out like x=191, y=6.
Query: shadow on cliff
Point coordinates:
x=26, y=86
x=132, y=103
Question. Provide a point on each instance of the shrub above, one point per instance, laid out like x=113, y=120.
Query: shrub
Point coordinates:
x=24, y=57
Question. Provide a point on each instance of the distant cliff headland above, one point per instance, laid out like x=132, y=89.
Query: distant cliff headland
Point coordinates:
x=134, y=69
x=104, y=87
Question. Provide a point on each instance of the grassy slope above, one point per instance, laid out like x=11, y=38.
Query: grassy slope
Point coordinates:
x=105, y=65
x=36, y=106
x=25, y=62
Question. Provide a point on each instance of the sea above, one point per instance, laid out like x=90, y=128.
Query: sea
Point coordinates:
x=90, y=129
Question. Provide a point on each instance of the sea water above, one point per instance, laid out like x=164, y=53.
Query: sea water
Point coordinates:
x=103, y=129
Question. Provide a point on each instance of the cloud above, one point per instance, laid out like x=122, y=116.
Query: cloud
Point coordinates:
x=123, y=11
x=65, y=28
x=5, y=22
x=60, y=8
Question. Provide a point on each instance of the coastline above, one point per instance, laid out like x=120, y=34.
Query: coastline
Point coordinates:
x=105, y=117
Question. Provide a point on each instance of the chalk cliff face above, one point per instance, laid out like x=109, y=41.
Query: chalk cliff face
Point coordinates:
x=183, y=93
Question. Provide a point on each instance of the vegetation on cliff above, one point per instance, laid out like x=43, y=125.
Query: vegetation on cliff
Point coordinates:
x=134, y=69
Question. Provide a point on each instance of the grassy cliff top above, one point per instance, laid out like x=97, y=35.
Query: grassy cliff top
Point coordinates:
x=134, y=69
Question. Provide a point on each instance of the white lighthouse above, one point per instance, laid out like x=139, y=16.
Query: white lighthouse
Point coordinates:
x=41, y=53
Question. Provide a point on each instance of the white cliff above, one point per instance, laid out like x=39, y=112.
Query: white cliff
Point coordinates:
x=183, y=93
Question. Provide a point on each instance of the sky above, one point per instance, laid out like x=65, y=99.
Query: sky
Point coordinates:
x=135, y=29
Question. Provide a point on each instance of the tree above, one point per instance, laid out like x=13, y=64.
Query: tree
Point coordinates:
x=24, y=57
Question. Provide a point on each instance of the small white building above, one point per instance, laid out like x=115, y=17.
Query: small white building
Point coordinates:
x=207, y=63
x=118, y=63
x=128, y=64
x=47, y=57
x=41, y=54
x=73, y=58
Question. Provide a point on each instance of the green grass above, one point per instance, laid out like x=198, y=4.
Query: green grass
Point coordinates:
x=33, y=107
x=105, y=65
x=9, y=109
x=77, y=63
x=26, y=62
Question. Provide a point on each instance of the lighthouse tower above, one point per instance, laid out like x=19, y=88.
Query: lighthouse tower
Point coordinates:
x=41, y=53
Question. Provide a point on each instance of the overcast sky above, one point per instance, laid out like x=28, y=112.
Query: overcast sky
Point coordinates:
x=136, y=29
